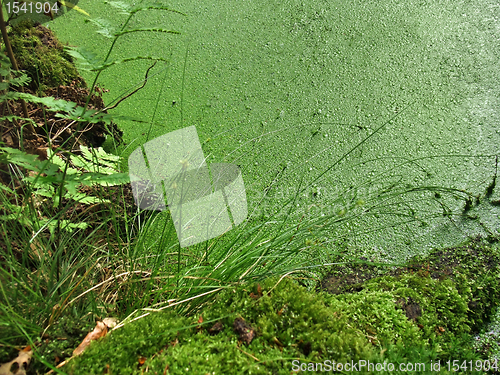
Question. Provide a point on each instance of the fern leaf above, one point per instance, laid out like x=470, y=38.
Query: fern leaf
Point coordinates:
x=90, y=165
x=22, y=80
x=87, y=60
x=12, y=118
x=105, y=27
x=153, y=5
x=146, y=29
x=121, y=6
x=5, y=65
x=45, y=191
x=111, y=179
x=52, y=104
x=67, y=225
x=91, y=116
x=54, y=158
x=70, y=226
x=28, y=161
x=73, y=112
x=104, y=156
x=72, y=184
x=100, y=156
x=86, y=199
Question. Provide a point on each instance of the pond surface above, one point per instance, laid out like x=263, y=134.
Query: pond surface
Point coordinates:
x=286, y=88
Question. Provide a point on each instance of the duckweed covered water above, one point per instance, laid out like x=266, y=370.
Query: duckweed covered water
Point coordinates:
x=286, y=88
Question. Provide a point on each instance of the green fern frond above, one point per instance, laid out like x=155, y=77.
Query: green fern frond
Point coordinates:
x=124, y=8
x=76, y=114
x=68, y=110
x=90, y=165
x=86, y=199
x=87, y=60
x=22, y=80
x=8, y=75
x=5, y=65
x=51, y=103
x=93, y=167
x=11, y=118
x=91, y=116
x=153, y=5
x=70, y=226
x=115, y=62
x=100, y=155
x=147, y=29
x=105, y=27
x=67, y=225
x=28, y=161
x=96, y=161
x=61, y=164
x=46, y=191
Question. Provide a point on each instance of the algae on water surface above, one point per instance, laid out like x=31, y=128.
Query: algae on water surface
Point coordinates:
x=267, y=84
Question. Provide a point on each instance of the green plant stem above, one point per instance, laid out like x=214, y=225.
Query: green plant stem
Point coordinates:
x=106, y=59
x=13, y=61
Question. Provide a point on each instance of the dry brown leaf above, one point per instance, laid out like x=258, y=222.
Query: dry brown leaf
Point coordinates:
x=99, y=331
x=110, y=322
x=17, y=366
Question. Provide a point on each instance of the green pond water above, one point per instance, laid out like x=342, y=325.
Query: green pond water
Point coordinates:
x=297, y=84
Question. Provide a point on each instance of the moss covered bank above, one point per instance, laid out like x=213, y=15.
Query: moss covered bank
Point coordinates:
x=418, y=314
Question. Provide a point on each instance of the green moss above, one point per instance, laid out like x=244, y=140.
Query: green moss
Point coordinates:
x=474, y=268
x=400, y=318
x=297, y=319
x=42, y=56
x=290, y=323
x=376, y=315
